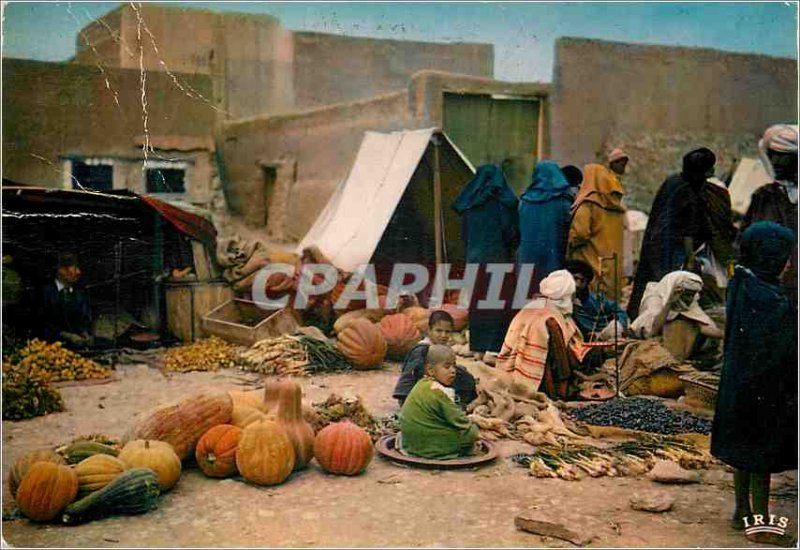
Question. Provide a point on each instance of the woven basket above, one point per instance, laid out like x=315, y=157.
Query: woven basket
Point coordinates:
x=701, y=391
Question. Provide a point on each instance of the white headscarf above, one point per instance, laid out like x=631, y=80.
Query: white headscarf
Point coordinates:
x=559, y=288
x=657, y=294
x=781, y=138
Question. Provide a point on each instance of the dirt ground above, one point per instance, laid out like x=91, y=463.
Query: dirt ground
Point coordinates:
x=386, y=506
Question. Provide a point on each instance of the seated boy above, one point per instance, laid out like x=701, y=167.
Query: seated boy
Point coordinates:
x=431, y=424
x=440, y=325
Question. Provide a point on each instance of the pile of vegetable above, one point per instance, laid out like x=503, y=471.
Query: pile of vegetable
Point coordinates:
x=293, y=355
x=56, y=361
x=640, y=413
x=208, y=354
x=624, y=459
x=97, y=477
x=337, y=409
x=27, y=393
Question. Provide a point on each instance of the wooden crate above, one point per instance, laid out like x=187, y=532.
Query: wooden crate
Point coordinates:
x=243, y=322
x=187, y=303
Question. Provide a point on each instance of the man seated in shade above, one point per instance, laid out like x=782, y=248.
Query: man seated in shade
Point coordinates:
x=64, y=308
x=592, y=312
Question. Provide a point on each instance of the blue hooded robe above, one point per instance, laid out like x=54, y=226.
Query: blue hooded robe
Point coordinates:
x=544, y=217
x=490, y=231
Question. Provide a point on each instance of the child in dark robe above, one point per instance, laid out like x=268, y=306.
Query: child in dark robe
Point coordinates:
x=440, y=325
x=755, y=422
x=431, y=424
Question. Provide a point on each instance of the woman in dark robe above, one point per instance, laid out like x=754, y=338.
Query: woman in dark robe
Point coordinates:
x=544, y=217
x=688, y=212
x=490, y=231
x=755, y=423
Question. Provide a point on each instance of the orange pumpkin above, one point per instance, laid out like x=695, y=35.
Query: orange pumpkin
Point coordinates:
x=300, y=432
x=400, y=333
x=460, y=316
x=24, y=463
x=46, y=490
x=420, y=316
x=216, y=451
x=183, y=424
x=265, y=455
x=343, y=448
x=363, y=344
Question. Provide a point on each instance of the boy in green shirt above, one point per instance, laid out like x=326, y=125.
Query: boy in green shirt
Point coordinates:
x=431, y=424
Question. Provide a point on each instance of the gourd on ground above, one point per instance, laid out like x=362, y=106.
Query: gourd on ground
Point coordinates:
x=363, y=345
x=300, y=432
x=159, y=456
x=133, y=492
x=24, y=463
x=46, y=490
x=343, y=448
x=216, y=450
x=97, y=471
x=265, y=455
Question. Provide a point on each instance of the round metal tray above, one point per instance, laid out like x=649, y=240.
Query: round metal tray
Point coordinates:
x=487, y=453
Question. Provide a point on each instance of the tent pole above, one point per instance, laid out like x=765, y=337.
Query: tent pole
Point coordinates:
x=437, y=204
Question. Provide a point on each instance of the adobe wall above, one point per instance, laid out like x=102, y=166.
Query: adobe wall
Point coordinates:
x=318, y=147
x=55, y=109
x=660, y=102
x=332, y=69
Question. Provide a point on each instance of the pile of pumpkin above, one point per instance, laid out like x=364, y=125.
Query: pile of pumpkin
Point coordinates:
x=262, y=439
x=366, y=337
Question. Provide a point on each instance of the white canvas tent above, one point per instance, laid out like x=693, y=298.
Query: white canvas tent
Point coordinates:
x=749, y=176
x=386, y=209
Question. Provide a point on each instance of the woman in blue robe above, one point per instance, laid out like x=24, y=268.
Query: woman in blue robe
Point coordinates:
x=490, y=231
x=544, y=217
x=755, y=421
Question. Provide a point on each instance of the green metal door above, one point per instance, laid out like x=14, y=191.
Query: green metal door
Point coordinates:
x=497, y=131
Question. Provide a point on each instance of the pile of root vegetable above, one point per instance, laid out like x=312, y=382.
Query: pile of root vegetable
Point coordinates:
x=259, y=437
x=293, y=355
x=28, y=374
x=624, y=459
x=208, y=354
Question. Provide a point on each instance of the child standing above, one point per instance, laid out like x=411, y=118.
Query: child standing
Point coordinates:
x=431, y=424
x=755, y=423
x=440, y=325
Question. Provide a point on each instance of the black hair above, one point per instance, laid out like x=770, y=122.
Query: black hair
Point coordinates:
x=67, y=259
x=573, y=175
x=580, y=267
x=438, y=316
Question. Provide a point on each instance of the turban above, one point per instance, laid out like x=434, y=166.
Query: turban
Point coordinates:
x=780, y=138
x=559, y=287
x=698, y=162
x=617, y=154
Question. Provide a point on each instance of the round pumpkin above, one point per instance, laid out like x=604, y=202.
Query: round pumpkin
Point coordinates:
x=97, y=471
x=216, y=450
x=460, y=316
x=24, y=463
x=46, y=490
x=420, y=316
x=244, y=415
x=265, y=455
x=363, y=345
x=343, y=448
x=300, y=432
x=159, y=456
x=400, y=333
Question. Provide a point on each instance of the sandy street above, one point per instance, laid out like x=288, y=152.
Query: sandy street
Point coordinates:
x=386, y=506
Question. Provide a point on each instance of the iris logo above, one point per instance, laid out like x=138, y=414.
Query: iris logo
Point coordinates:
x=758, y=523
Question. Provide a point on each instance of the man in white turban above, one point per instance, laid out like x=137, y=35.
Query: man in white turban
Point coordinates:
x=543, y=344
x=777, y=201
